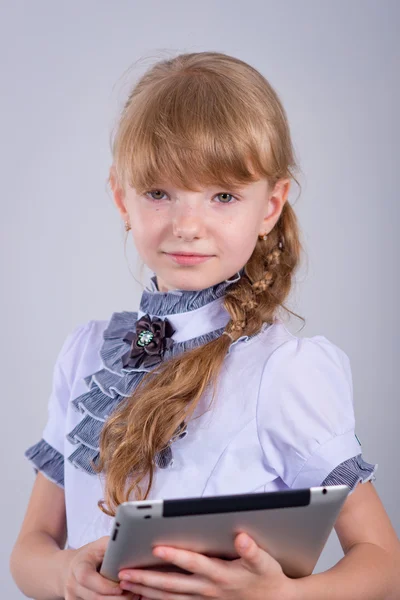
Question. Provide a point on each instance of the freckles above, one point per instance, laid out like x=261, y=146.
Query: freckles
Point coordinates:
x=225, y=227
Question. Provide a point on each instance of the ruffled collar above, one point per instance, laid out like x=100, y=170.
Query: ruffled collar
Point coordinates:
x=191, y=313
x=194, y=318
x=180, y=301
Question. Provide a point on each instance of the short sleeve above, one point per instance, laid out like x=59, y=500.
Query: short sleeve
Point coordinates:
x=46, y=455
x=305, y=414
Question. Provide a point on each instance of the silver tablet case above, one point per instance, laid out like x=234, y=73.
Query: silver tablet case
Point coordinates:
x=292, y=525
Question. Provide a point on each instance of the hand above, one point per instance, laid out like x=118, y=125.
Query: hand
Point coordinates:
x=83, y=582
x=256, y=575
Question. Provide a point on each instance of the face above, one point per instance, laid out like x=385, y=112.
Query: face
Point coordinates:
x=193, y=240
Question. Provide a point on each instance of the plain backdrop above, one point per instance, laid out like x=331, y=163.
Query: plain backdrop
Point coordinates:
x=66, y=69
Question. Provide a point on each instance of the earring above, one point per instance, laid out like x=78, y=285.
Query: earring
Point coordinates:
x=263, y=236
x=127, y=226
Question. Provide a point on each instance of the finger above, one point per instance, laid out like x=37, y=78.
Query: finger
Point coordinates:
x=87, y=577
x=86, y=594
x=253, y=558
x=102, y=542
x=169, y=582
x=210, y=568
x=99, y=547
x=155, y=594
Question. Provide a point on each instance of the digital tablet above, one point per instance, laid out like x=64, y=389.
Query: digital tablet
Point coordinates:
x=292, y=525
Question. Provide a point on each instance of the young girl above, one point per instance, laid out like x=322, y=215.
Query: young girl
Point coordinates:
x=203, y=391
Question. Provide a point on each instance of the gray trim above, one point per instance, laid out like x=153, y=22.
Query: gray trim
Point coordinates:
x=173, y=302
x=82, y=458
x=351, y=472
x=114, y=348
x=48, y=460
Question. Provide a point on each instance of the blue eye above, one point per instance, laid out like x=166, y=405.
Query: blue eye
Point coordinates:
x=226, y=200
x=155, y=192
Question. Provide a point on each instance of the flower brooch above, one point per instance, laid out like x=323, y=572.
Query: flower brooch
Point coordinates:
x=148, y=343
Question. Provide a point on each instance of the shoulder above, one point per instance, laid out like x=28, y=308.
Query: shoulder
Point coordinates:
x=280, y=356
x=82, y=338
x=306, y=387
x=79, y=351
x=290, y=356
x=305, y=412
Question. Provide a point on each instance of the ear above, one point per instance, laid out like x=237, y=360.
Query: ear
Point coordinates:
x=118, y=192
x=276, y=201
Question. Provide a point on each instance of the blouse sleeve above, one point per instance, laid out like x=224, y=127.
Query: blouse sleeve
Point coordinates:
x=46, y=455
x=305, y=415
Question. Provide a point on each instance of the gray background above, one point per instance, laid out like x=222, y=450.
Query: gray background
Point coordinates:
x=335, y=66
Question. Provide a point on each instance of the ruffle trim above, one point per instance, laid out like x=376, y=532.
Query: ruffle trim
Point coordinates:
x=114, y=348
x=155, y=302
x=351, y=472
x=48, y=460
x=110, y=385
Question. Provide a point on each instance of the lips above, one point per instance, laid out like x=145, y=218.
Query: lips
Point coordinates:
x=186, y=259
x=187, y=254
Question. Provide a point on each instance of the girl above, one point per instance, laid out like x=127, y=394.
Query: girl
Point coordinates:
x=203, y=391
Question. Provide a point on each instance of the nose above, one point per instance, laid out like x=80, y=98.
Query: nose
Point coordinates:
x=187, y=223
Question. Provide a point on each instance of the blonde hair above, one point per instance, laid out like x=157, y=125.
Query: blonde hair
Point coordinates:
x=194, y=120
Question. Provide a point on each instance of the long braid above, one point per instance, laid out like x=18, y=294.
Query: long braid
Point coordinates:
x=267, y=279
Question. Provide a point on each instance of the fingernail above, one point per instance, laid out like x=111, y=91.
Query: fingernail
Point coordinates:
x=244, y=542
x=125, y=586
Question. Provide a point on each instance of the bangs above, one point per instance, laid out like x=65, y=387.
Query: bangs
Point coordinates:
x=193, y=130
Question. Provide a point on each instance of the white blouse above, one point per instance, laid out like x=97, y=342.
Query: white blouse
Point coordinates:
x=282, y=417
